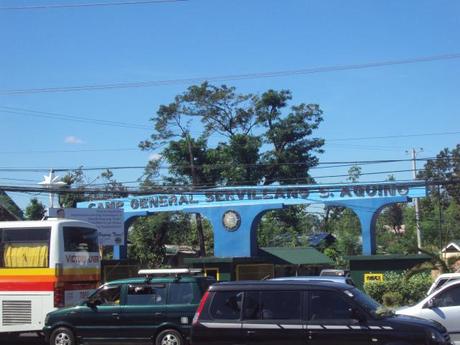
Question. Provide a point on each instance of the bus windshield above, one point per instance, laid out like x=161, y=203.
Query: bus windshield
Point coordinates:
x=79, y=239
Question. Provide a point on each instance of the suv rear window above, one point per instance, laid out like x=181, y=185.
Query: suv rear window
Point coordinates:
x=226, y=305
x=183, y=293
x=146, y=294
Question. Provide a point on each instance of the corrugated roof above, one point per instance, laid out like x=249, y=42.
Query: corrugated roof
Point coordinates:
x=297, y=255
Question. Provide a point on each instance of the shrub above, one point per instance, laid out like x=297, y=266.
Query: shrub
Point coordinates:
x=392, y=299
x=397, y=290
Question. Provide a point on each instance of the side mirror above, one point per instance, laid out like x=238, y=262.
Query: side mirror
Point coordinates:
x=431, y=304
x=93, y=303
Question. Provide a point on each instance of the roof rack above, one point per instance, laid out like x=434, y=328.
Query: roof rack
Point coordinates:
x=169, y=271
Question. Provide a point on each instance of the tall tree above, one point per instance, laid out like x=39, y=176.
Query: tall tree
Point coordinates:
x=244, y=124
x=292, y=150
x=445, y=168
x=35, y=210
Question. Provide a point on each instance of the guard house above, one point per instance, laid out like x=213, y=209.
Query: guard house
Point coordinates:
x=270, y=262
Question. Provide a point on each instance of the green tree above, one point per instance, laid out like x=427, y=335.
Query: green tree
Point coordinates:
x=243, y=124
x=35, y=210
x=149, y=235
x=446, y=170
x=8, y=209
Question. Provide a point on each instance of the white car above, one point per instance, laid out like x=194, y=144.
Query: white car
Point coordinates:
x=443, y=305
x=443, y=279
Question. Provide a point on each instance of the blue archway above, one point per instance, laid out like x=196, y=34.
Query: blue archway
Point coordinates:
x=235, y=212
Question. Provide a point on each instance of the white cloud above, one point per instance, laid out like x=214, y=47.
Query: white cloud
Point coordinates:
x=155, y=157
x=73, y=140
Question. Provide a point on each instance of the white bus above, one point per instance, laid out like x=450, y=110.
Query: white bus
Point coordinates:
x=44, y=265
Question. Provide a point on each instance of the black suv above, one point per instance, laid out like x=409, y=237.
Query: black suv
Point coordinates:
x=299, y=313
x=142, y=310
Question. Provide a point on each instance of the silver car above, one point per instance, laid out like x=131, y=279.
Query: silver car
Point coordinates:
x=443, y=305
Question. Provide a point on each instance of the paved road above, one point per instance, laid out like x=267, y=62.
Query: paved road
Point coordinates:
x=25, y=339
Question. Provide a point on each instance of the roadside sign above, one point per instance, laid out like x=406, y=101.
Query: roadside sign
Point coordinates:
x=109, y=222
x=373, y=277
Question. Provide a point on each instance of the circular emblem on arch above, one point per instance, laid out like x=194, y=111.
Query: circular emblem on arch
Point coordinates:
x=231, y=220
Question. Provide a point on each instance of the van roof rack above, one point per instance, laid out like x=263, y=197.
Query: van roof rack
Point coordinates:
x=149, y=273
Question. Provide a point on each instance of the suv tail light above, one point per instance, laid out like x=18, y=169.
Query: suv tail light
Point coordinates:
x=200, y=308
x=59, y=297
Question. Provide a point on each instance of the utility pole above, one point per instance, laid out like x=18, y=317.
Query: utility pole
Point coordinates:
x=417, y=213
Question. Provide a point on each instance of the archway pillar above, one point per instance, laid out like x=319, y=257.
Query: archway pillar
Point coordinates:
x=121, y=252
x=241, y=242
x=367, y=212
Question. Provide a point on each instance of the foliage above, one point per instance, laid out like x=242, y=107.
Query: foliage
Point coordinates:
x=77, y=180
x=149, y=235
x=397, y=289
x=35, y=210
x=8, y=209
x=256, y=140
x=288, y=228
x=446, y=169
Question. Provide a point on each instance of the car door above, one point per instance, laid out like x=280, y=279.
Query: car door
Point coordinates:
x=144, y=310
x=330, y=320
x=445, y=308
x=273, y=318
x=100, y=317
x=183, y=300
x=221, y=323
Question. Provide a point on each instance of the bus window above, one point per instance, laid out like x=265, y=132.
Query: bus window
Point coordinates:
x=78, y=239
x=21, y=248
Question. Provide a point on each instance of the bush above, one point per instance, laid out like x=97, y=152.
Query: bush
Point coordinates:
x=397, y=290
x=392, y=299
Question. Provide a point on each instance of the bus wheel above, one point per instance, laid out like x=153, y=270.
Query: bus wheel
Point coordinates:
x=169, y=337
x=62, y=336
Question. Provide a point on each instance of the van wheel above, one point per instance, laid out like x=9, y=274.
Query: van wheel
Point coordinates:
x=168, y=337
x=62, y=336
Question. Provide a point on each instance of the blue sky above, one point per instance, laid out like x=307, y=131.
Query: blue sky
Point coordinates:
x=60, y=47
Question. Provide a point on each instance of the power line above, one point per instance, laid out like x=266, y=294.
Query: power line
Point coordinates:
x=69, y=151
x=60, y=116
x=192, y=190
x=395, y=136
x=330, y=164
x=97, y=4
x=230, y=77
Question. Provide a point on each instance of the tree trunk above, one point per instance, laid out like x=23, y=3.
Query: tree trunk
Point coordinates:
x=199, y=220
x=199, y=229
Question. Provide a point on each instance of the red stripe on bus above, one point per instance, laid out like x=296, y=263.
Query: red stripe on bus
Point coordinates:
x=26, y=286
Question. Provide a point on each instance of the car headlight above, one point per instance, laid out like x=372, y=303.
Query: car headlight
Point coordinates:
x=435, y=336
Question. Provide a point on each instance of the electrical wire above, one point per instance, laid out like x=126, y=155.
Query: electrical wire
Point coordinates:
x=66, y=117
x=230, y=77
x=94, y=4
x=330, y=164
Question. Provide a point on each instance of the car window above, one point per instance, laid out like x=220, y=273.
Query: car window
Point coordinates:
x=107, y=295
x=146, y=294
x=448, y=298
x=226, y=305
x=183, y=293
x=329, y=305
x=271, y=305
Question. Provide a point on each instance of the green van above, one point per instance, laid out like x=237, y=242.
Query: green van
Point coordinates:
x=150, y=309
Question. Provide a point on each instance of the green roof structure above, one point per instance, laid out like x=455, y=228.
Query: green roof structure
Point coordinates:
x=296, y=255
